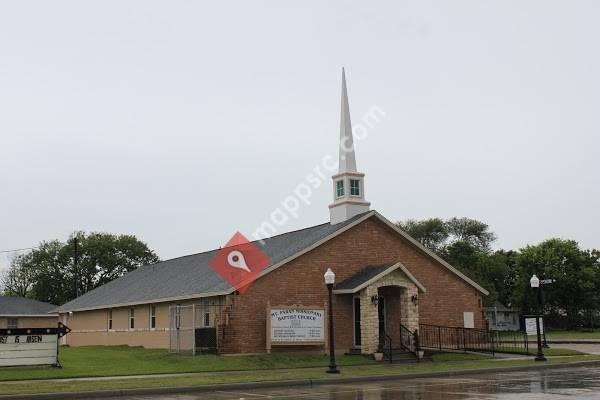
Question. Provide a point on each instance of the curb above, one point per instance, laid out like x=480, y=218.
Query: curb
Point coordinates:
x=286, y=383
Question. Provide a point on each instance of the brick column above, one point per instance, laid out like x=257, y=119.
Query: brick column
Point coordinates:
x=369, y=321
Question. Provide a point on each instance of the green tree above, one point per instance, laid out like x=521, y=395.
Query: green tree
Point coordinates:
x=432, y=233
x=53, y=277
x=17, y=280
x=576, y=274
x=437, y=234
x=471, y=231
x=466, y=244
x=104, y=257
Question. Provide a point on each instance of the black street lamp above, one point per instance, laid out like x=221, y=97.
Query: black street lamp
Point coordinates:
x=329, y=281
x=541, y=302
x=535, y=284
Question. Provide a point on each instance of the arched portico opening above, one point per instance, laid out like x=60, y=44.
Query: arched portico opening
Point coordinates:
x=384, y=297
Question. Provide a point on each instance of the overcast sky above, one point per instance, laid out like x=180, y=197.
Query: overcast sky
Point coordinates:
x=184, y=121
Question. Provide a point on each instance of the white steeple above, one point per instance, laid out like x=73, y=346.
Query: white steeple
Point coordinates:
x=347, y=157
x=348, y=184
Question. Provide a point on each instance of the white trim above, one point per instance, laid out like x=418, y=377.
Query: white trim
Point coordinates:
x=412, y=278
x=354, y=200
x=131, y=317
x=340, y=174
x=150, y=317
x=377, y=277
x=142, y=302
x=109, y=320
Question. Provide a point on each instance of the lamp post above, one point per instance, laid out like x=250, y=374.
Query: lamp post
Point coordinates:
x=541, y=303
x=329, y=281
x=535, y=284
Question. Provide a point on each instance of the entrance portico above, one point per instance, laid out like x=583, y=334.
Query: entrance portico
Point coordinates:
x=385, y=296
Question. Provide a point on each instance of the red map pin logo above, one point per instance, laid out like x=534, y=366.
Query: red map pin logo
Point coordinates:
x=239, y=262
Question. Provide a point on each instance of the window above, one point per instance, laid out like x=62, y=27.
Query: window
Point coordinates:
x=109, y=319
x=339, y=188
x=206, y=318
x=131, y=318
x=178, y=316
x=152, y=317
x=12, y=323
x=354, y=187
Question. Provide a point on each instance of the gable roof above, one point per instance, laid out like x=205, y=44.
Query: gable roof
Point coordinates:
x=191, y=276
x=12, y=306
x=371, y=274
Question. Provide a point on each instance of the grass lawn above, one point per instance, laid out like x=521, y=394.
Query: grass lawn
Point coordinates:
x=572, y=335
x=446, y=357
x=123, y=360
x=255, y=376
x=561, y=335
x=554, y=351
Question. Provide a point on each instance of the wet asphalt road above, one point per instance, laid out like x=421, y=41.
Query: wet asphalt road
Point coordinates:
x=568, y=383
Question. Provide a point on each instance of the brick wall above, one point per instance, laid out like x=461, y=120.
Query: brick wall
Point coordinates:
x=301, y=282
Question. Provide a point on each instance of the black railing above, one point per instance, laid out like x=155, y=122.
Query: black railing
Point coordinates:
x=387, y=349
x=407, y=339
x=511, y=342
x=471, y=339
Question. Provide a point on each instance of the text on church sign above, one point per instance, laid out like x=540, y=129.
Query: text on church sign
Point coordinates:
x=297, y=325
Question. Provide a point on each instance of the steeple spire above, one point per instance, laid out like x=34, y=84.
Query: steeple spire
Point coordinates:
x=348, y=184
x=347, y=161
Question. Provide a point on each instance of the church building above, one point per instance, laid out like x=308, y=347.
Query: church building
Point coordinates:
x=386, y=284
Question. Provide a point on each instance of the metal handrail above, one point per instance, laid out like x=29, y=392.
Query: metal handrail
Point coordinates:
x=407, y=339
x=388, y=342
x=472, y=339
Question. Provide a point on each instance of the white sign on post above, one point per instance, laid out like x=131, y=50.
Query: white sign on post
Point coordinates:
x=290, y=325
x=531, y=327
x=30, y=346
x=469, y=319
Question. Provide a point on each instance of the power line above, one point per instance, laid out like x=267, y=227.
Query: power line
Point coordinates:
x=10, y=251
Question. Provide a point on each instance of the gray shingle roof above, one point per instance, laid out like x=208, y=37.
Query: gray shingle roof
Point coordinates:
x=190, y=276
x=10, y=305
x=362, y=276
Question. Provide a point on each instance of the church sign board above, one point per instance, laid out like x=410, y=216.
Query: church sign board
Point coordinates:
x=531, y=326
x=295, y=325
x=30, y=346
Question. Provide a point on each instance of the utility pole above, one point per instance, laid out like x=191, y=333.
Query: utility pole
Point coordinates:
x=75, y=265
